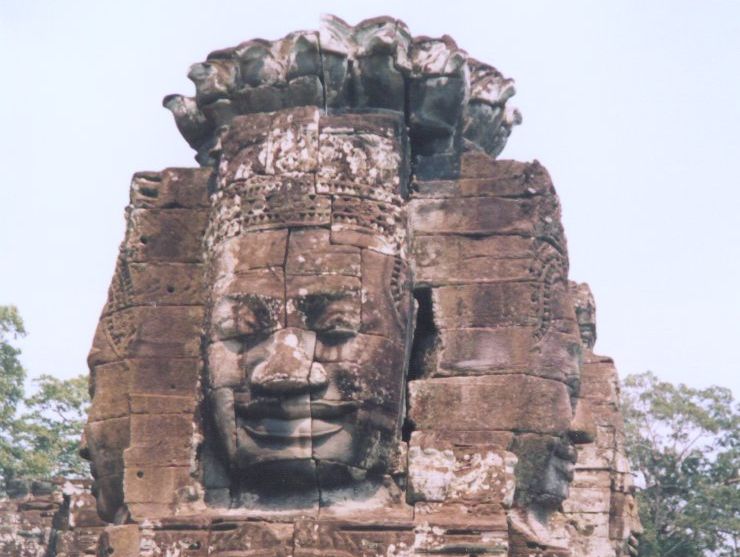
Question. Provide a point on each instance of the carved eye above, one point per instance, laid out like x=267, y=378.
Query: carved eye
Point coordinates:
x=336, y=325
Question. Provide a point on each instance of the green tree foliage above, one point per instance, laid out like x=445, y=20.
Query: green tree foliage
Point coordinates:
x=12, y=376
x=50, y=428
x=684, y=447
x=40, y=433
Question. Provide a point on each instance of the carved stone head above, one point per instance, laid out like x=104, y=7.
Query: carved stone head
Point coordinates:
x=585, y=306
x=309, y=304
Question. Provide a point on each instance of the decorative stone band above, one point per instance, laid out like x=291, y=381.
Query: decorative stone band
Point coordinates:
x=450, y=100
x=295, y=168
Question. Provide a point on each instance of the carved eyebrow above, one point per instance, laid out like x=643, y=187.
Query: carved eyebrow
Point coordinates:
x=314, y=305
x=316, y=301
x=262, y=307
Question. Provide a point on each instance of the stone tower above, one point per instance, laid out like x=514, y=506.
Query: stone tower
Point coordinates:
x=350, y=331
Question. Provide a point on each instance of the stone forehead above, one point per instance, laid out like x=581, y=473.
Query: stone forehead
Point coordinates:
x=297, y=168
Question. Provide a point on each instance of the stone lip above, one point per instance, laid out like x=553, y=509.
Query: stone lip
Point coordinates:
x=450, y=100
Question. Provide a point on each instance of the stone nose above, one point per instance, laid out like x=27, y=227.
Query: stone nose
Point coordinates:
x=289, y=368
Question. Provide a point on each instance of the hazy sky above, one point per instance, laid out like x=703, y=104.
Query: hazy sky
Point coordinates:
x=633, y=106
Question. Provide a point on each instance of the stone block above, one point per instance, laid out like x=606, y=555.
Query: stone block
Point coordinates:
x=505, y=402
x=294, y=141
x=122, y=541
x=484, y=305
x=283, y=142
x=157, y=485
x=105, y=347
x=172, y=188
x=161, y=429
x=229, y=539
x=162, y=404
x=445, y=260
x=111, y=384
x=259, y=250
x=483, y=351
x=592, y=499
x=319, y=539
x=311, y=252
x=461, y=516
x=173, y=235
x=443, y=468
x=473, y=216
x=599, y=382
x=557, y=355
x=160, y=440
x=106, y=440
x=179, y=543
x=434, y=540
x=159, y=284
x=481, y=175
x=155, y=332
x=224, y=366
x=348, y=159
x=262, y=283
x=164, y=376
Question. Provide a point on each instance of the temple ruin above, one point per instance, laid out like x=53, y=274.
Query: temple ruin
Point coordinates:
x=349, y=331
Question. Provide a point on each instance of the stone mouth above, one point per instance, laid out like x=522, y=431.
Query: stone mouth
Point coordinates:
x=293, y=419
x=294, y=409
x=306, y=428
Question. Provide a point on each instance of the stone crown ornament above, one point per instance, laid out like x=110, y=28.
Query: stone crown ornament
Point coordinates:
x=448, y=98
x=350, y=331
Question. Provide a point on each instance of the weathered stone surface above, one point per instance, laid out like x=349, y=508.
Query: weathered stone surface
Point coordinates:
x=442, y=260
x=481, y=175
x=155, y=332
x=473, y=216
x=229, y=539
x=311, y=253
x=446, y=468
x=173, y=188
x=351, y=332
x=164, y=376
x=314, y=539
x=120, y=540
x=154, y=484
x=508, y=403
x=172, y=235
x=158, y=284
x=483, y=305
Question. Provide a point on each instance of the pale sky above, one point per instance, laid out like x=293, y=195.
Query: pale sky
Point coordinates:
x=633, y=106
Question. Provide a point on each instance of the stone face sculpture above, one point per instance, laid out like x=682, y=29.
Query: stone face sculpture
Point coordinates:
x=309, y=304
x=602, y=508
x=350, y=332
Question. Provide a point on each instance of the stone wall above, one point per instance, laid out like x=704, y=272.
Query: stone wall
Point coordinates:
x=49, y=519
